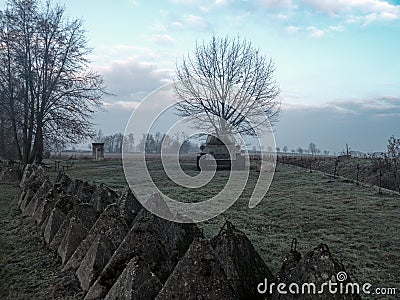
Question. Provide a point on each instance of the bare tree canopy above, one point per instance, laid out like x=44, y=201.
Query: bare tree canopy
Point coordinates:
x=47, y=88
x=227, y=85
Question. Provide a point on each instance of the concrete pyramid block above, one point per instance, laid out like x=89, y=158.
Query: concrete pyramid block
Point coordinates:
x=54, y=222
x=317, y=267
x=243, y=266
x=26, y=199
x=37, y=199
x=136, y=282
x=62, y=181
x=102, y=197
x=141, y=240
x=175, y=237
x=110, y=224
x=44, y=208
x=75, y=233
x=128, y=205
x=198, y=275
x=82, y=212
x=94, y=261
x=85, y=191
x=58, y=237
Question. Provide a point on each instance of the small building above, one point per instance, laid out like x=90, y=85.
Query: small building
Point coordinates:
x=98, y=151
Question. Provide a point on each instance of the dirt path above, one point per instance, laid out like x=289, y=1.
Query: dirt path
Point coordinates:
x=28, y=270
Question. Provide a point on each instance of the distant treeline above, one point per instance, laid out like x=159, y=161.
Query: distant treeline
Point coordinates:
x=148, y=143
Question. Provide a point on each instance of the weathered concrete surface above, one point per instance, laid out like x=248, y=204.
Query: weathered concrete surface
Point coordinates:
x=157, y=205
x=243, y=266
x=31, y=185
x=94, y=261
x=26, y=174
x=102, y=197
x=62, y=182
x=37, y=198
x=44, y=208
x=110, y=224
x=175, y=237
x=53, y=224
x=141, y=240
x=198, y=275
x=85, y=192
x=32, y=173
x=318, y=267
x=289, y=265
x=66, y=203
x=86, y=216
x=27, y=197
x=75, y=233
x=136, y=282
x=63, y=202
x=128, y=205
x=74, y=186
x=58, y=237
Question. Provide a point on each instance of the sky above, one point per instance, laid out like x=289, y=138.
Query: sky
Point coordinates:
x=337, y=61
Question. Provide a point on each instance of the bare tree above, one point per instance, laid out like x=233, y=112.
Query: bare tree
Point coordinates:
x=227, y=85
x=51, y=92
x=312, y=148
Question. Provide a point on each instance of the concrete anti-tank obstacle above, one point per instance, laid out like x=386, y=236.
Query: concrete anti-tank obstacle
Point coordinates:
x=198, y=275
x=136, y=282
x=110, y=224
x=141, y=240
x=318, y=266
x=244, y=267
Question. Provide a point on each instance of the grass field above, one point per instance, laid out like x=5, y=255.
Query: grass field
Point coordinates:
x=360, y=226
x=28, y=270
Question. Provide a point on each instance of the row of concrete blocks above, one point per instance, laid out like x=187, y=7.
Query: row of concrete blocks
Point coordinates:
x=121, y=251
x=118, y=250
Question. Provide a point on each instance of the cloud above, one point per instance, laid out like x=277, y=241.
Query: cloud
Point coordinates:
x=131, y=80
x=366, y=11
x=371, y=106
x=115, y=52
x=292, y=29
x=337, y=108
x=134, y=3
x=315, y=32
x=362, y=6
x=311, y=31
x=194, y=21
x=130, y=105
x=188, y=21
x=162, y=39
x=336, y=28
x=186, y=2
x=159, y=27
x=282, y=17
x=275, y=4
x=222, y=2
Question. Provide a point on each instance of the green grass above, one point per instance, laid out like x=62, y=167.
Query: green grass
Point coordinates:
x=28, y=270
x=360, y=226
